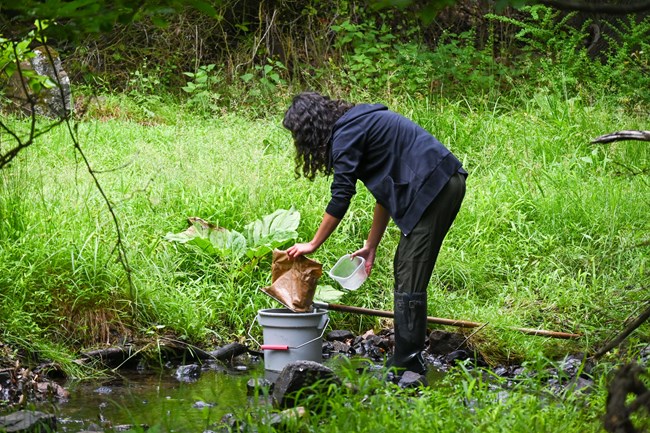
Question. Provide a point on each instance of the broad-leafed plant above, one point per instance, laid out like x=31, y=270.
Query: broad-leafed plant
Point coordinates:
x=258, y=238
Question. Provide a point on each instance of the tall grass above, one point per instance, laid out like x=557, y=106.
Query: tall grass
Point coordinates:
x=552, y=234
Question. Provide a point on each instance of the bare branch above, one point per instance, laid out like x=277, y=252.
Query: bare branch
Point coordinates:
x=586, y=6
x=644, y=316
x=622, y=136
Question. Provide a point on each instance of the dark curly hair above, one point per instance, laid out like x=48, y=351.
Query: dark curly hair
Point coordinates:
x=311, y=118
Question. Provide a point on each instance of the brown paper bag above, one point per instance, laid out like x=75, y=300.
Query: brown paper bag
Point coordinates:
x=293, y=282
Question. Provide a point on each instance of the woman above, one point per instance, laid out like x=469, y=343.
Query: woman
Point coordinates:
x=415, y=180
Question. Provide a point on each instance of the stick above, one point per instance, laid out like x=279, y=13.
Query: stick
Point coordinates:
x=622, y=136
x=440, y=321
x=623, y=335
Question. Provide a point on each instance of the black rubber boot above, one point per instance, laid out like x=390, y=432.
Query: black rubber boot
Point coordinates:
x=410, y=332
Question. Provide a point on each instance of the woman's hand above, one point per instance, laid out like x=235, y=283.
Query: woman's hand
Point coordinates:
x=368, y=254
x=327, y=226
x=300, y=250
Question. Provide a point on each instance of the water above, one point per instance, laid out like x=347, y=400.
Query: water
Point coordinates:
x=158, y=400
x=165, y=403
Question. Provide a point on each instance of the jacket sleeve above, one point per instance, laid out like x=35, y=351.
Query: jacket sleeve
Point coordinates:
x=347, y=153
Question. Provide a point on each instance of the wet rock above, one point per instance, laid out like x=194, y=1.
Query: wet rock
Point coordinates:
x=340, y=347
x=581, y=383
x=456, y=356
x=104, y=390
x=339, y=335
x=92, y=428
x=573, y=365
x=202, y=405
x=255, y=384
x=129, y=427
x=231, y=424
x=188, y=373
x=53, y=390
x=298, y=376
x=26, y=421
x=371, y=346
x=443, y=343
x=278, y=420
x=54, y=102
x=410, y=379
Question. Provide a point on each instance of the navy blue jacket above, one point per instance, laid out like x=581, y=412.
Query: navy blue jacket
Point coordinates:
x=401, y=164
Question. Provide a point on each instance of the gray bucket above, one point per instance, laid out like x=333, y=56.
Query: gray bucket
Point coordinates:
x=290, y=337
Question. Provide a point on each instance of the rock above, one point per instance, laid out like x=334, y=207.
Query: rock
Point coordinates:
x=278, y=420
x=339, y=335
x=93, y=428
x=188, y=373
x=340, y=347
x=457, y=355
x=298, y=376
x=410, y=379
x=202, y=405
x=254, y=384
x=443, y=343
x=52, y=389
x=129, y=427
x=26, y=421
x=571, y=365
x=54, y=102
x=232, y=424
x=104, y=390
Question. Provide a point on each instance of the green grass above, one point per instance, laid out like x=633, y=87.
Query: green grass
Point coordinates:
x=552, y=234
x=461, y=401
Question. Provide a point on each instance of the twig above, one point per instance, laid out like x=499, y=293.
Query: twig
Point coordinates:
x=472, y=334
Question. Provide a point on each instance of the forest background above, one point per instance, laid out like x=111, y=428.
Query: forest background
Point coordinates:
x=555, y=236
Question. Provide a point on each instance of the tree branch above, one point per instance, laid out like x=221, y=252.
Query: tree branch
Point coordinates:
x=645, y=315
x=622, y=136
x=593, y=7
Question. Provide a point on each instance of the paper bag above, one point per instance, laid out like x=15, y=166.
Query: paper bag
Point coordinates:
x=293, y=281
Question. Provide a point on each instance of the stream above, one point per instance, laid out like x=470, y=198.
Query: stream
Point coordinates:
x=158, y=400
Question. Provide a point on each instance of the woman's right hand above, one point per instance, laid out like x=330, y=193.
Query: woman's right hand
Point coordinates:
x=368, y=254
x=300, y=250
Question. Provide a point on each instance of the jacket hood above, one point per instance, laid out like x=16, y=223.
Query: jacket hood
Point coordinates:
x=358, y=111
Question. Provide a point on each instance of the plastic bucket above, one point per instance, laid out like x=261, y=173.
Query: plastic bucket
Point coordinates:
x=290, y=336
x=350, y=273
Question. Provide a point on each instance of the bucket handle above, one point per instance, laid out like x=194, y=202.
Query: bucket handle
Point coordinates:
x=285, y=346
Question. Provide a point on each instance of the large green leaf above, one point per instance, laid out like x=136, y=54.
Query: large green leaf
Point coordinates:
x=211, y=239
x=228, y=243
x=278, y=223
x=260, y=238
x=272, y=231
x=327, y=293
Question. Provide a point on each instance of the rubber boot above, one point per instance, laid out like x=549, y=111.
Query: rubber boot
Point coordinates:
x=410, y=332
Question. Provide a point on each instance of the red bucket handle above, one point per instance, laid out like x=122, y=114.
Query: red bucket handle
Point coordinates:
x=274, y=347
